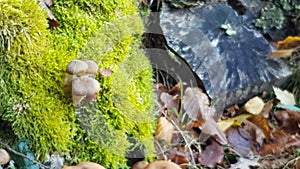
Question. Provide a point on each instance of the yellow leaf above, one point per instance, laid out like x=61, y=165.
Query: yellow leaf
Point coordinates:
x=235, y=121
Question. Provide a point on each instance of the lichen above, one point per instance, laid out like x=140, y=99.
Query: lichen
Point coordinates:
x=33, y=100
x=278, y=14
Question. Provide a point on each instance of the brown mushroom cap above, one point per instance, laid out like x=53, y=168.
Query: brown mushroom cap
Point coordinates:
x=77, y=67
x=140, y=165
x=92, y=67
x=4, y=157
x=162, y=165
x=85, y=165
x=85, y=86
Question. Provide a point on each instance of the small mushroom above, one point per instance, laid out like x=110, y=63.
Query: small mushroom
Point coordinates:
x=4, y=157
x=85, y=165
x=77, y=67
x=140, y=165
x=162, y=165
x=85, y=86
x=92, y=67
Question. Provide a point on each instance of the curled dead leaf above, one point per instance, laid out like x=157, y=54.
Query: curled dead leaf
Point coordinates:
x=164, y=130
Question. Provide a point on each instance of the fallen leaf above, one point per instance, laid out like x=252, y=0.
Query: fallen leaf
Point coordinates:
x=254, y=105
x=235, y=121
x=245, y=163
x=285, y=97
x=286, y=47
x=289, y=42
x=196, y=104
x=276, y=145
x=239, y=139
x=288, y=120
x=211, y=155
x=170, y=102
x=262, y=123
x=256, y=133
x=164, y=130
x=180, y=160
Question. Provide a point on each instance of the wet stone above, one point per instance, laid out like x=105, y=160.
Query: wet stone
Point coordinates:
x=226, y=55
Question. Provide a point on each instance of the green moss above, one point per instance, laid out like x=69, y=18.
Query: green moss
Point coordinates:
x=32, y=69
x=32, y=100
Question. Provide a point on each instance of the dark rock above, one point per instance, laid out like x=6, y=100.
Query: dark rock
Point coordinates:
x=227, y=56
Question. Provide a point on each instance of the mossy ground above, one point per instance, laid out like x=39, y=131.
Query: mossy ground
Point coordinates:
x=33, y=61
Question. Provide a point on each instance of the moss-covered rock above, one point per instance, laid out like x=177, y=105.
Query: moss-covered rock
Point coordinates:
x=33, y=63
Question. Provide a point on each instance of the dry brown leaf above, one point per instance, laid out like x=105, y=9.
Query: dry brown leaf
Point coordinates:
x=256, y=133
x=286, y=47
x=289, y=43
x=164, y=130
x=240, y=140
x=289, y=121
x=170, y=102
x=211, y=155
x=180, y=160
x=262, y=123
x=196, y=105
x=254, y=105
x=276, y=145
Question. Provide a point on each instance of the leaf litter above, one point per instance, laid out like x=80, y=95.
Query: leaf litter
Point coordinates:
x=246, y=136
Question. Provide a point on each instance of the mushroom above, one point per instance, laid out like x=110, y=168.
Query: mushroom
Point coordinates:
x=85, y=165
x=4, y=157
x=162, y=165
x=84, y=86
x=140, y=165
x=92, y=67
x=77, y=67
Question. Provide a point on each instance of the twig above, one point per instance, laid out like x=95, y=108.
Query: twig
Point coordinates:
x=20, y=154
x=186, y=141
x=293, y=160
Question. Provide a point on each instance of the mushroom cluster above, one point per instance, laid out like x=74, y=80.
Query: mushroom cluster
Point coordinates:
x=81, y=76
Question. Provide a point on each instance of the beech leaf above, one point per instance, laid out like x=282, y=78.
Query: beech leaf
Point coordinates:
x=164, y=130
x=211, y=155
